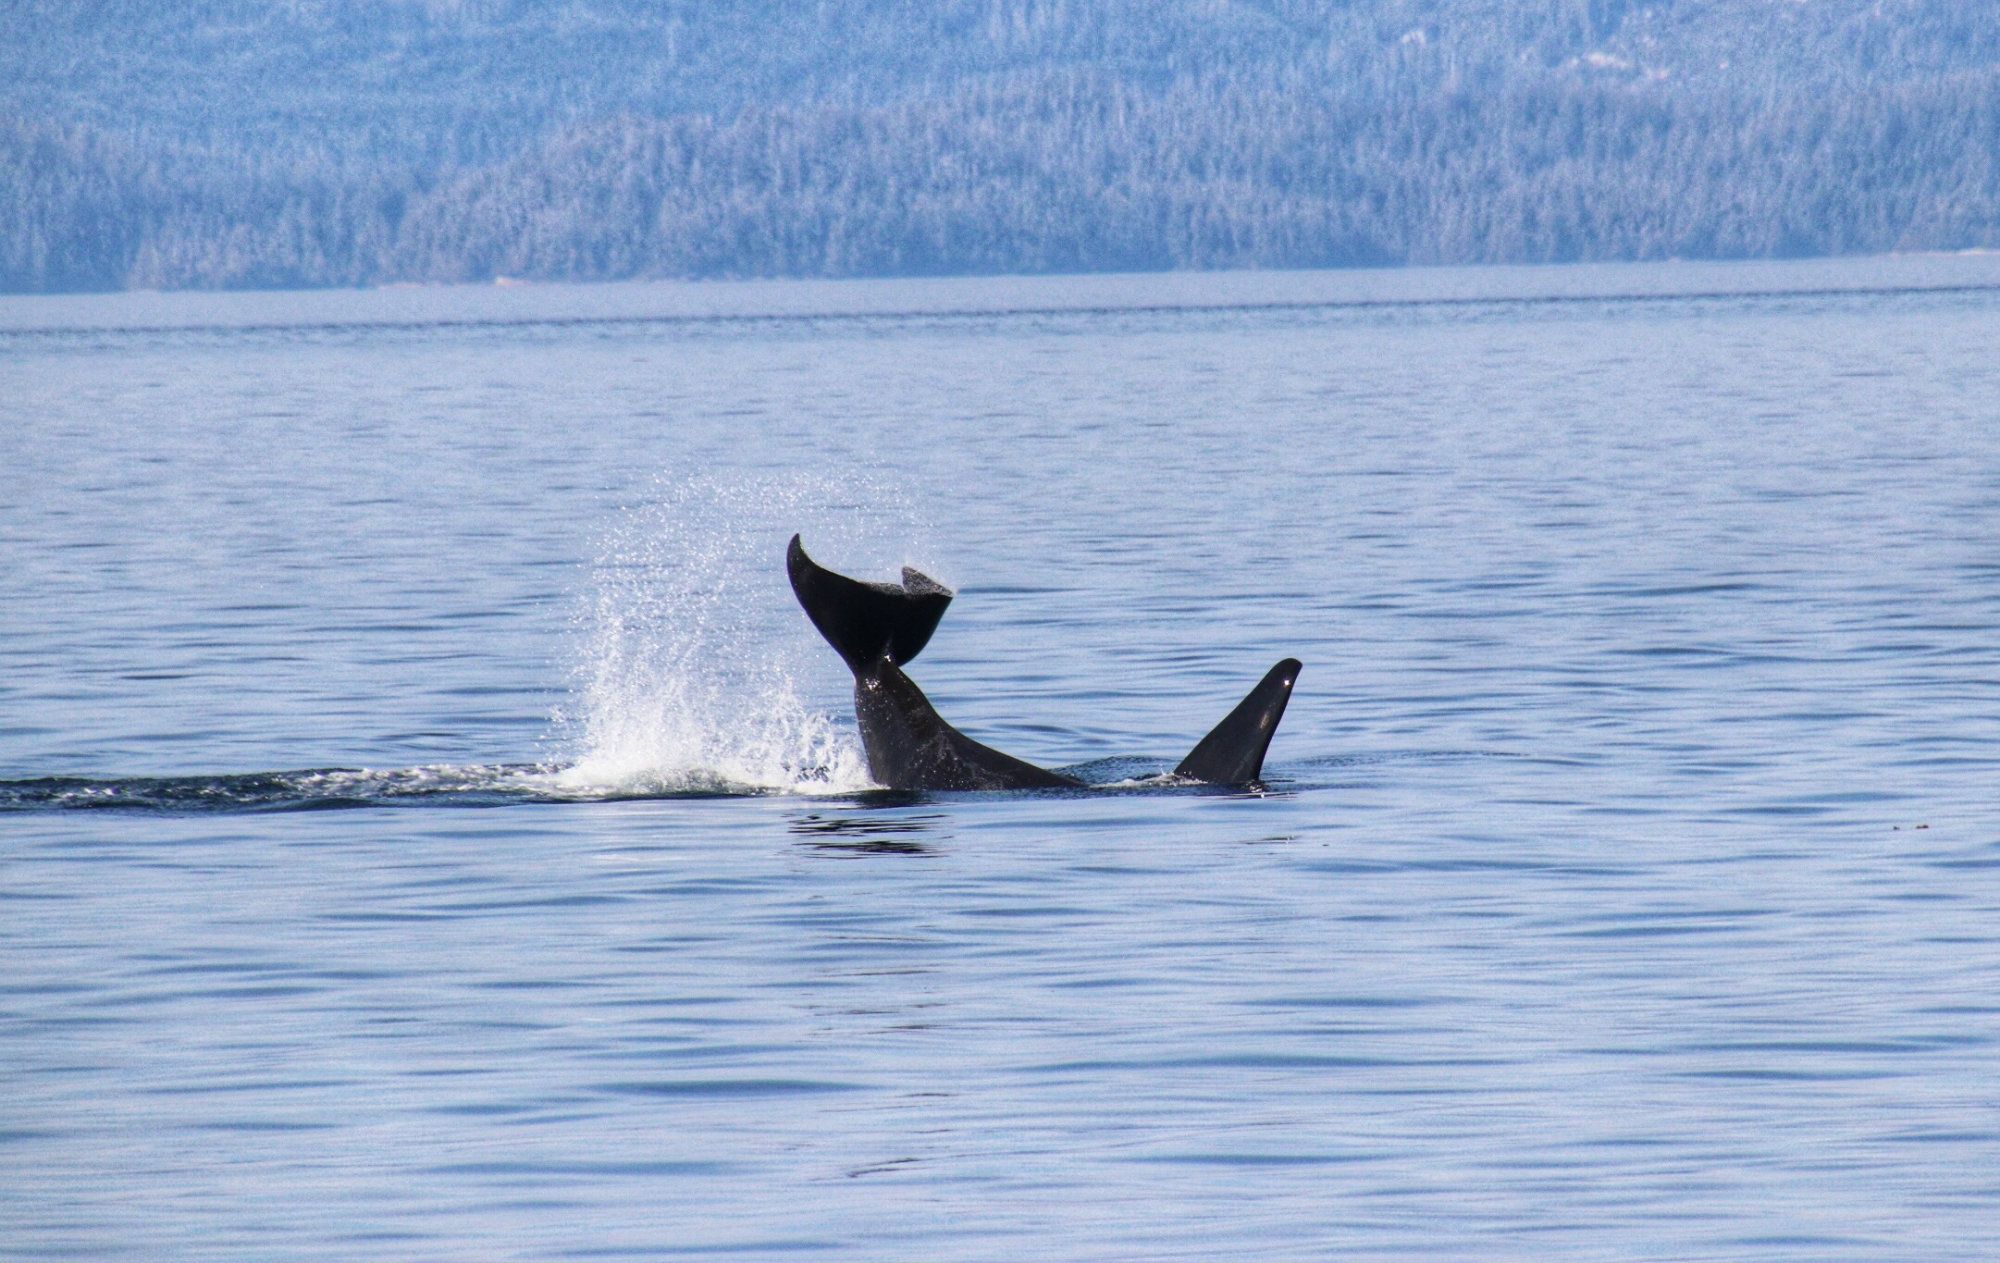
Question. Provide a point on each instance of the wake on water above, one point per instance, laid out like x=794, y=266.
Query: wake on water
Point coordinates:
x=322, y=789
x=681, y=685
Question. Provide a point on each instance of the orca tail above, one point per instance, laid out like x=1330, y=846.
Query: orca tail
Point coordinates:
x=1233, y=753
x=865, y=621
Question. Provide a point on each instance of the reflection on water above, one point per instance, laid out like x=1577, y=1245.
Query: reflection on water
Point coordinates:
x=870, y=834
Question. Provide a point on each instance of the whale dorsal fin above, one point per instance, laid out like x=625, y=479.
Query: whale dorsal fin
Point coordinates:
x=1233, y=752
x=864, y=621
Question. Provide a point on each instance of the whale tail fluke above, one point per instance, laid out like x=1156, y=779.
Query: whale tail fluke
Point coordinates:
x=1233, y=752
x=865, y=621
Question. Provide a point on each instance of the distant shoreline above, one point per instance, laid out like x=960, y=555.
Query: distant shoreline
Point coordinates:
x=889, y=298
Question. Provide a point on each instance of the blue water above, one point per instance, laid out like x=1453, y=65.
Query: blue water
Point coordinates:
x=429, y=831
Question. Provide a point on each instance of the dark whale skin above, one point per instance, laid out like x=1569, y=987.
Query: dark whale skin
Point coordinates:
x=877, y=627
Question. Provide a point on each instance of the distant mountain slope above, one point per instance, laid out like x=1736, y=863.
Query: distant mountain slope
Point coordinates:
x=315, y=142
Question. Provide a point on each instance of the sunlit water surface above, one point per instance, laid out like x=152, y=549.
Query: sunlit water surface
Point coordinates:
x=429, y=831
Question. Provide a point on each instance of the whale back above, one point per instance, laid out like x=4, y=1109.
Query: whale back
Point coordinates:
x=910, y=746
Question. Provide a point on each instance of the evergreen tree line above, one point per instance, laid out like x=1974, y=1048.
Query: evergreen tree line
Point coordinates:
x=1043, y=170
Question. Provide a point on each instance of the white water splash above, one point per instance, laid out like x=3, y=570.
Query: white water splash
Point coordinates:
x=691, y=647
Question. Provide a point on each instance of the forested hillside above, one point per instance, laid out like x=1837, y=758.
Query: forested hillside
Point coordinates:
x=341, y=142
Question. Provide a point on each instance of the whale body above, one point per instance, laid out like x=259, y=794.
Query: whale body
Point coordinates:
x=878, y=627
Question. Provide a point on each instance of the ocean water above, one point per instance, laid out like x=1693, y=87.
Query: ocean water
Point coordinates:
x=428, y=830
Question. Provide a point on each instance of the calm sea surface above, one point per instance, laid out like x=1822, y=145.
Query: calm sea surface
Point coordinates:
x=428, y=830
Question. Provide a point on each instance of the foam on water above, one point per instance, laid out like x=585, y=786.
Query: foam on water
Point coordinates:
x=682, y=684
